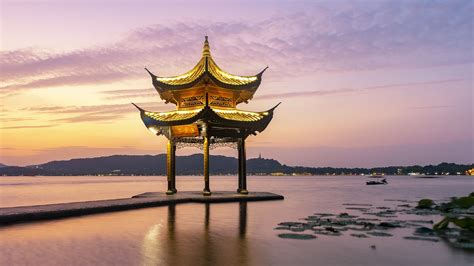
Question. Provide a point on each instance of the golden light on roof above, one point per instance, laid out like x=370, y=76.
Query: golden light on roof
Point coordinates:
x=173, y=115
x=225, y=77
x=239, y=115
x=234, y=115
x=206, y=63
x=187, y=77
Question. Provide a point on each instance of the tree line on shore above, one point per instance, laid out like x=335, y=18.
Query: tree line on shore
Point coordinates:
x=219, y=165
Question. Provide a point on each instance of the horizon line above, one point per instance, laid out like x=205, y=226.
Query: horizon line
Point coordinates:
x=260, y=157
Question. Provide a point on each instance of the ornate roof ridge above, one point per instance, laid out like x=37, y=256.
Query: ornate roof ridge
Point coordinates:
x=229, y=114
x=206, y=65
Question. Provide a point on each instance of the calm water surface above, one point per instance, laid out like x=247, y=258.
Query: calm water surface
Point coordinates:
x=217, y=234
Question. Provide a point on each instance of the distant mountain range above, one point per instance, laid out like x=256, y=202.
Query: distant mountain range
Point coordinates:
x=193, y=165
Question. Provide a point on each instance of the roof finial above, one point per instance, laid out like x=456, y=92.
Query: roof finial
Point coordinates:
x=206, y=50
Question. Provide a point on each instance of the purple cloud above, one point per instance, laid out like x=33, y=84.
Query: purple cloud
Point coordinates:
x=130, y=93
x=350, y=90
x=349, y=37
x=92, y=113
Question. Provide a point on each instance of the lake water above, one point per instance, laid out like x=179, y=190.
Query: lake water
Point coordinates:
x=218, y=234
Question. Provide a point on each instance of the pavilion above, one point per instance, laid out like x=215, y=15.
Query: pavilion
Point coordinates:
x=206, y=116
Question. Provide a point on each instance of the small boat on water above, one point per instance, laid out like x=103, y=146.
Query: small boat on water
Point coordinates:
x=428, y=176
x=381, y=182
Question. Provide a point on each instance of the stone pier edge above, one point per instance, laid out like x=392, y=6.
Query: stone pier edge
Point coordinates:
x=13, y=215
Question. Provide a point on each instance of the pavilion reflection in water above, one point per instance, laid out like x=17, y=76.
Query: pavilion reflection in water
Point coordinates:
x=206, y=115
x=196, y=243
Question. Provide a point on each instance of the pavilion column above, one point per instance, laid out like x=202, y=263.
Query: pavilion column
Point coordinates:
x=239, y=155
x=173, y=168
x=170, y=170
x=207, y=190
x=242, y=167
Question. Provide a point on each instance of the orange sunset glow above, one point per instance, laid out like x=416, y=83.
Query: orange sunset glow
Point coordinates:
x=347, y=101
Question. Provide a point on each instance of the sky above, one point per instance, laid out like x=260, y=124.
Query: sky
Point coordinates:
x=362, y=83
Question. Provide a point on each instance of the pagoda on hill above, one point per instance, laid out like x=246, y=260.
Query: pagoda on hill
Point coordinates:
x=206, y=116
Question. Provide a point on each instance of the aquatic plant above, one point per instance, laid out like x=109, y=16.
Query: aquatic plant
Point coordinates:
x=425, y=204
x=459, y=212
x=455, y=212
x=297, y=236
x=460, y=203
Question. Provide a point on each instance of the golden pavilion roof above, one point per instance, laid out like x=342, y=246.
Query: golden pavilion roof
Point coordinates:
x=207, y=65
x=216, y=116
x=179, y=115
x=206, y=98
x=207, y=71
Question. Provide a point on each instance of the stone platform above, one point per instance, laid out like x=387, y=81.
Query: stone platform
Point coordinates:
x=150, y=199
